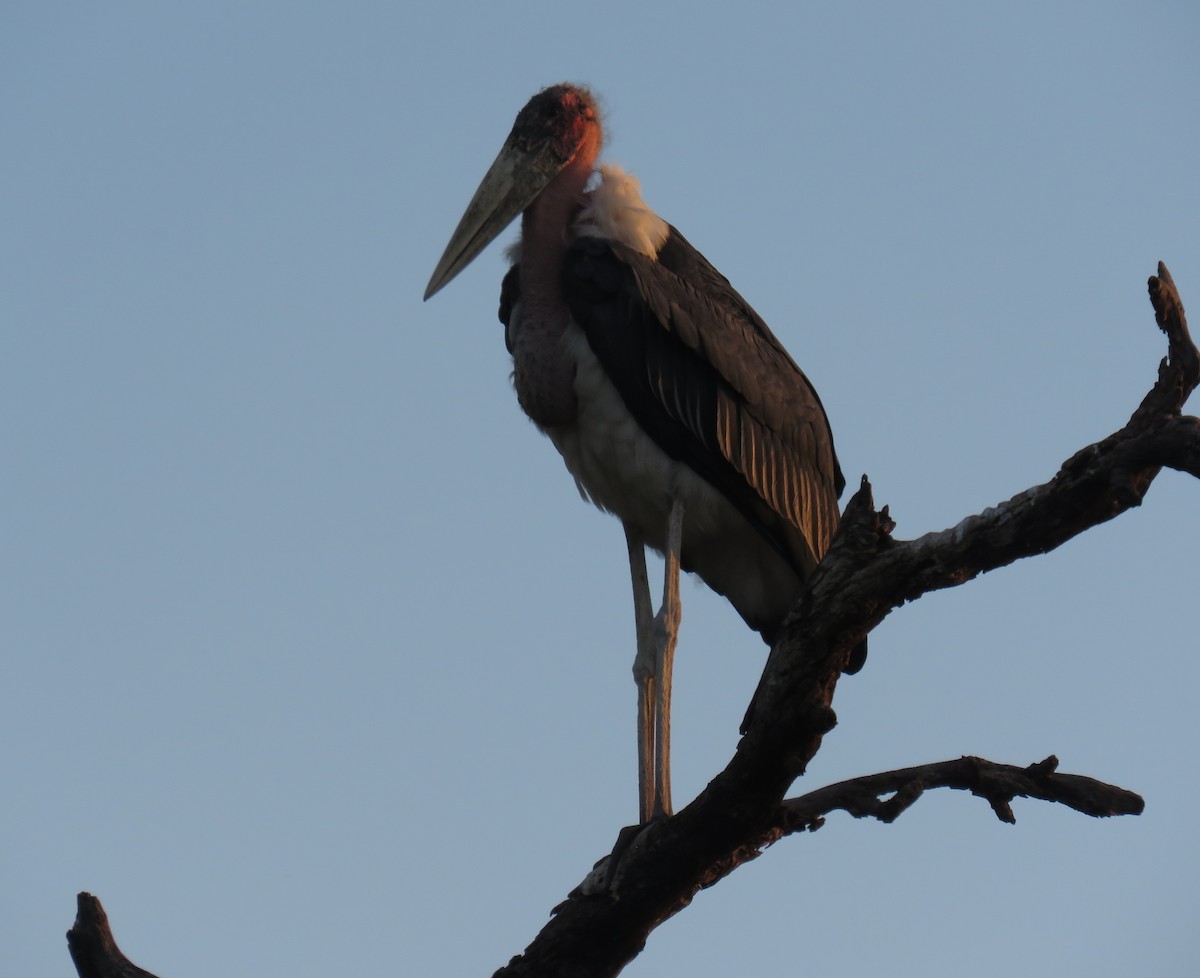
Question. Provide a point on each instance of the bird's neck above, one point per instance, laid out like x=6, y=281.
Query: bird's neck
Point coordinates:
x=543, y=372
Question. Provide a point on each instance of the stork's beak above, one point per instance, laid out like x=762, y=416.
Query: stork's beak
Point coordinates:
x=519, y=174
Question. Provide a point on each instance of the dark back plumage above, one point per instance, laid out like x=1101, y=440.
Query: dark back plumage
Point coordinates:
x=711, y=385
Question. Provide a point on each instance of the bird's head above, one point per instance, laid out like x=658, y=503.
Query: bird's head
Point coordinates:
x=558, y=130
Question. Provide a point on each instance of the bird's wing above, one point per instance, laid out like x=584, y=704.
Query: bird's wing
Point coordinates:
x=710, y=383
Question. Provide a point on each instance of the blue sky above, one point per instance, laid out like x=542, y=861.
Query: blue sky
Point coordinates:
x=314, y=661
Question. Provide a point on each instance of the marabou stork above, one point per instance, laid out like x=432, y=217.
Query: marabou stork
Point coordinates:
x=671, y=402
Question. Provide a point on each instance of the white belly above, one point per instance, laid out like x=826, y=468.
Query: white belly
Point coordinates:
x=618, y=467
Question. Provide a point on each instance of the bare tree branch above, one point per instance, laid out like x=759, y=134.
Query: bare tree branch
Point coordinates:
x=92, y=946
x=998, y=784
x=656, y=870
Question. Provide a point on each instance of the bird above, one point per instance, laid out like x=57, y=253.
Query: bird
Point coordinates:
x=673, y=405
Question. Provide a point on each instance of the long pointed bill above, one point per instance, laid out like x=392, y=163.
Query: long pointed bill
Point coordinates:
x=516, y=177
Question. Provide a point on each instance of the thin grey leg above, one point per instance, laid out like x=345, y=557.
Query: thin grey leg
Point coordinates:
x=666, y=628
x=645, y=664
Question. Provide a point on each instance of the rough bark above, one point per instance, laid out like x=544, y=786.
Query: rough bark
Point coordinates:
x=654, y=871
x=92, y=946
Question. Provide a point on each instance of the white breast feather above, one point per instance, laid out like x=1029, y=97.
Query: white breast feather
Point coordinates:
x=617, y=465
x=616, y=210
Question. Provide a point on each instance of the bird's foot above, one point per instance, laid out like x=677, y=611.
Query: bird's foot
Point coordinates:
x=606, y=874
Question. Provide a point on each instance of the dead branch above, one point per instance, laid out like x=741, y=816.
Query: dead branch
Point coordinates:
x=998, y=784
x=92, y=946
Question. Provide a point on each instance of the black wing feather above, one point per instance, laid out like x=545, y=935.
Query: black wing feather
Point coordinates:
x=710, y=383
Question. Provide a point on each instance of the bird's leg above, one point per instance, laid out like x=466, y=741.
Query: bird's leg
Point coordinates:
x=666, y=634
x=644, y=665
